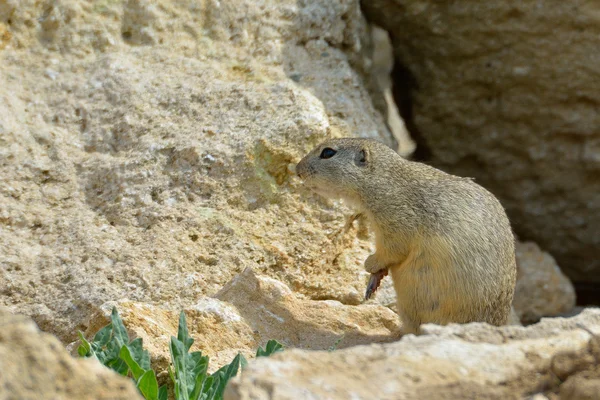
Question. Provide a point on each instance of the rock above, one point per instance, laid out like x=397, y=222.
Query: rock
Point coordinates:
x=383, y=63
x=483, y=91
x=275, y=312
x=542, y=289
x=386, y=294
x=34, y=365
x=249, y=311
x=145, y=158
x=145, y=150
x=583, y=386
x=454, y=362
x=216, y=327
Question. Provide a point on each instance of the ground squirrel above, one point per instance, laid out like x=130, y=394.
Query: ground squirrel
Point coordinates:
x=446, y=240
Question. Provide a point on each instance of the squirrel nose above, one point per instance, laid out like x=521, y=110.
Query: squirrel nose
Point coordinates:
x=300, y=169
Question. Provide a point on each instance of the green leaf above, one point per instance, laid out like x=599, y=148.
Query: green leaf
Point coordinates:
x=110, y=357
x=100, y=346
x=198, y=364
x=198, y=385
x=103, y=336
x=119, y=331
x=163, y=393
x=112, y=347
x=85, y=348
x=182, y=332
x=190, y=369
x=171, y=373
x=119, y=366
x=208, y=389
x=148, y=386
x=134, y=367
x=227, y=372
x=141, y=356
x=273, y=346
x=179, y=360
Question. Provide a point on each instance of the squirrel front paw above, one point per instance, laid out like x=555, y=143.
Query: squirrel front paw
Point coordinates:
x=373, y=265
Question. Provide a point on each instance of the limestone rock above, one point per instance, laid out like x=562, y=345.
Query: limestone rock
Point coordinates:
x=582, y=386
x=248, y=312
x=542, y=289
x=383, y=62
x=34, y=366
x=506, y=92
x=274, y=311
x=217, y=329
x=455, y=362
x=145, y=150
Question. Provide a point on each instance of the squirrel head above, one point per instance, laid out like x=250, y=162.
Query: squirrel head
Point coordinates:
x=339, y=168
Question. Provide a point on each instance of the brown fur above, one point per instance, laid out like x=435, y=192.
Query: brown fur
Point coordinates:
x=446, y=240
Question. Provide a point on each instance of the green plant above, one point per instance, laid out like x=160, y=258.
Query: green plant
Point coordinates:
x=111, y=346
x=273, y=346
x=191, y=381
x=190, y=377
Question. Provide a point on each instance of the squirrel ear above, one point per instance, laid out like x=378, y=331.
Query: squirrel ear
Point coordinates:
x=362, y=157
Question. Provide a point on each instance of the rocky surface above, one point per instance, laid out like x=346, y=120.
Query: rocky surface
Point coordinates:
x=542, y=289
x=35, y=365
x=246, y=313
x=383, y=63
x=472, y=361
x=150, y=159
x=274, y=310
x=507, y=92
x=144, y=150
x=146, y=154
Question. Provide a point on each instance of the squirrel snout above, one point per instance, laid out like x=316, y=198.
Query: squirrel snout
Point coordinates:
x=301, y=169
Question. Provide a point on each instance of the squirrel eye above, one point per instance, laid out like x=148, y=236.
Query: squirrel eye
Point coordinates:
x=327, y=152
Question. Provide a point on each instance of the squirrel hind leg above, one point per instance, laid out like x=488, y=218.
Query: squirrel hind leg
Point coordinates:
x=410, y=324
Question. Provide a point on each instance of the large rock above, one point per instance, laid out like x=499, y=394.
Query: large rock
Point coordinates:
x=472, y=361
x=276, y=312
x=542, y=289
x=246, y=313
x=149, y=159
x=383, y=63
x=507, y=92
x=218, y=331
x=144, y=150
x=34, y=366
